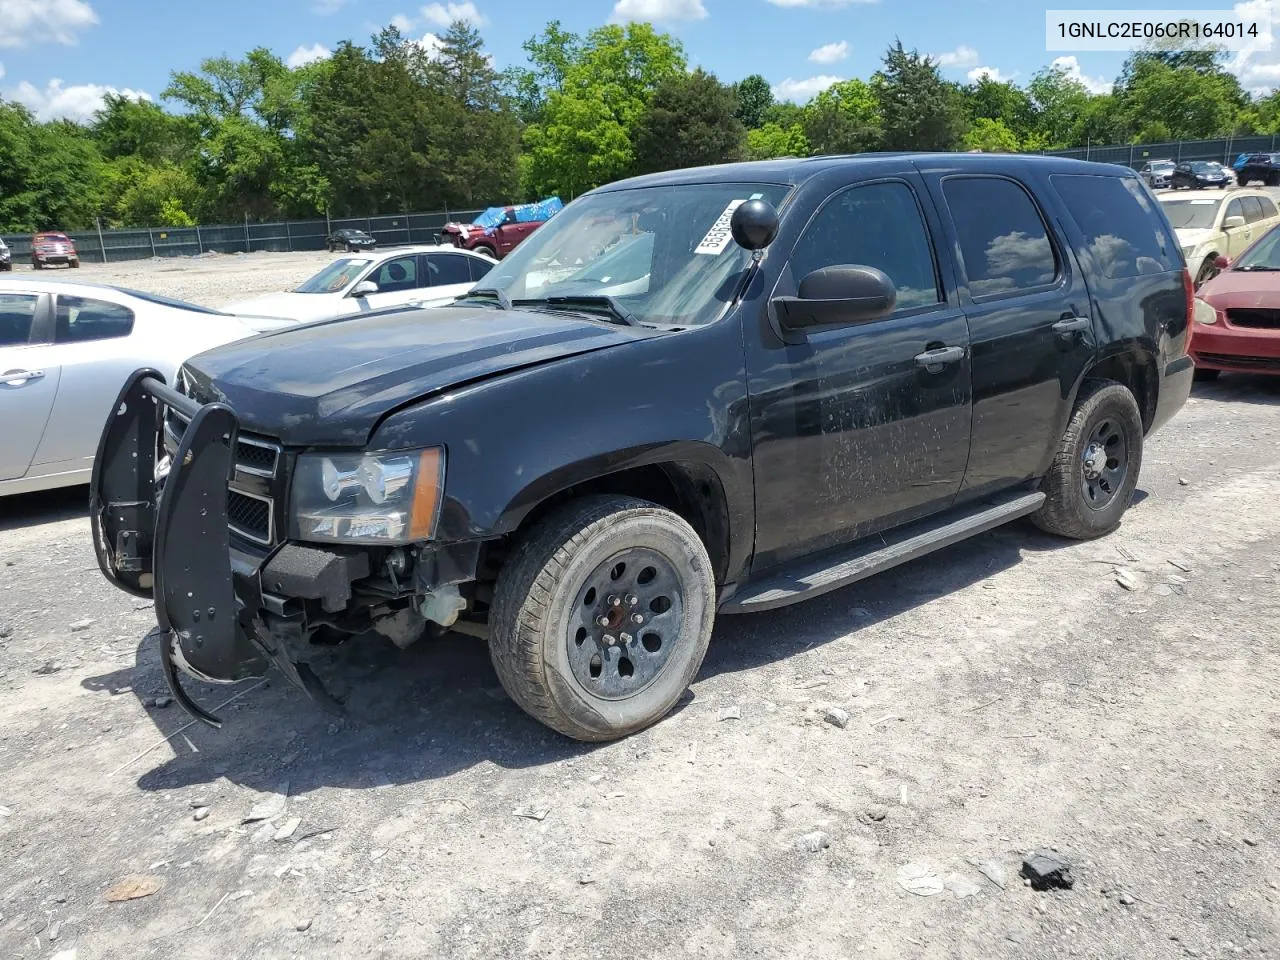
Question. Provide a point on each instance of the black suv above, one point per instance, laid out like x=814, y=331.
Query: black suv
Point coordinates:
x=1260, y=167
x=790, y=375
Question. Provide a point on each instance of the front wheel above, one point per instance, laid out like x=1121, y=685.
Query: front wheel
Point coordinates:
x=602, y=617
x=1207, y=271
x=1095, y=471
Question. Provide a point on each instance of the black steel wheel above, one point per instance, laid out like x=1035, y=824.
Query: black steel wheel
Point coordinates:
x=602, y=617
x=1095, y=471
x=1207, y=271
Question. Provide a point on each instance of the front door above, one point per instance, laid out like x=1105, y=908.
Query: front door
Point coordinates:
x=861, y=427
x=28, y=380
x=398, y=280
x=1030, y=322
x=1241, y=235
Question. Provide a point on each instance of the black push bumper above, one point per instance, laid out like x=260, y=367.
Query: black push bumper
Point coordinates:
x=170, y=542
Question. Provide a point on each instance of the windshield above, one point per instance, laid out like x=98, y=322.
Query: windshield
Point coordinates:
x=335, y=277
x=665, y=253
x=1191, y=214
x=1205, y=167
x=1162, y=165
x=1263, y=255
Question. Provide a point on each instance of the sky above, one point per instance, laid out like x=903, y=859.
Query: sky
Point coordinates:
x=59, y=57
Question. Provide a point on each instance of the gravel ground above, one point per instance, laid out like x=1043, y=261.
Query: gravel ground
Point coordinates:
x=1004, y=695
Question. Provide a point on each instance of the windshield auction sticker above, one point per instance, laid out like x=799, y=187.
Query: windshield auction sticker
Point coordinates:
x=718, y=237
x=1246, y=28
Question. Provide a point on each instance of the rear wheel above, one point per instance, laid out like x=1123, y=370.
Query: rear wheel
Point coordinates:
x=74, y=264
x=1207, y=271
x=603, y=616
x=36, y=265
x=1095, y=471
x=486, y=251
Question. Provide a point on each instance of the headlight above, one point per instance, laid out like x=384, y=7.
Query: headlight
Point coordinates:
x=367, y=498
x=1204, y=313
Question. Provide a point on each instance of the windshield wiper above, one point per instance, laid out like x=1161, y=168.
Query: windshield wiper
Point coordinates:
x=503, y=301
x=590, y=301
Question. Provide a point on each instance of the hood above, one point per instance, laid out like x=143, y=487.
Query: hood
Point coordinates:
x=287, y=306
x=330, y=383
x=1236, y=289
x=1189, y=238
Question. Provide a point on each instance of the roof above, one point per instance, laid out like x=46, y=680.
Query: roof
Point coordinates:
x=796, y=170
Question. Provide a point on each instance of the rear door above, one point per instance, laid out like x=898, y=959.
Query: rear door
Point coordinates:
x=447, y=275
x=1030, y=323
x=29, y=376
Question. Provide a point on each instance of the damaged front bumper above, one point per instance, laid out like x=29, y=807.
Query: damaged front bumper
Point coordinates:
x=168, y=540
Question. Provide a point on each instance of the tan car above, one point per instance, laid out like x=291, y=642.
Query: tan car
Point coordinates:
x=1211, y=224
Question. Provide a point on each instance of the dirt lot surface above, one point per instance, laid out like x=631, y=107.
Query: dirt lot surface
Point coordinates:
x=211, y=281
x=1004, y=695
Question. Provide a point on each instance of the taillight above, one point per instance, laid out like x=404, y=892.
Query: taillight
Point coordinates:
x=1189, y=288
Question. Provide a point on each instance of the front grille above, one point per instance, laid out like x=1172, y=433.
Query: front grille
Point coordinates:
x=1254, y=317
x=1241, y=363
x=250, y=516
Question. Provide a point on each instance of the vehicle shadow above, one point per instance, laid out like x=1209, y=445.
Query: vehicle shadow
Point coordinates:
x=47, y=506
x=437, y=709
x=1239, y=388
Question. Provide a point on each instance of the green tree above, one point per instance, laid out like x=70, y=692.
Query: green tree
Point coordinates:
x=755, y=97
x=690, y=122
x=771, y=140
x=1000, y=100
x=844, y=118
x=1195, y=99
x=550, y=54
x=920, y=110
x=1060, y=101
x=991, y=136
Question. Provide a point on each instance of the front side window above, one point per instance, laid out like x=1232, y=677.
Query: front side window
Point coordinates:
x=396, y=275
x=1120, y=226
x=335, y=277
x=79, y=319
x=1234, y=209
x=1004, y=245
x=695, y=268
x=17, y=313
x=876, y=225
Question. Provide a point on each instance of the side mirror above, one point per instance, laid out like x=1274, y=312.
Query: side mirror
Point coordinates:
x=754, y=224
x=841, y=294
x=1232, y=222
x=1220, y=262
x=364, y=288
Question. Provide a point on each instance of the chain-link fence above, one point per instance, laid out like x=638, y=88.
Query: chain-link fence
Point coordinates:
x=1223, y=150
x=139, y=243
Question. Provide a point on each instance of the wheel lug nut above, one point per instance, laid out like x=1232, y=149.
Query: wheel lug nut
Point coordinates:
x=602, y=621
x=632, y=600
x=615, y=602
x=609, y=640
x=625, y=638
x=636, y=618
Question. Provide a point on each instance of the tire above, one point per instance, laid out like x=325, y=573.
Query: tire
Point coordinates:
x=1203, y=373
x=1104, y=409
x=74, y=264
x=551, y=654
x=487, y=251
x=1206, y=272
x=36, y=265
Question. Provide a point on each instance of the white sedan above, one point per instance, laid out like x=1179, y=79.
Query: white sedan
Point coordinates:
x=361, y=282
x=1212, y=224
x=66, y=349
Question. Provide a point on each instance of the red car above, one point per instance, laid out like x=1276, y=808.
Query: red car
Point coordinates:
x=1238, y=313
x=48, y=248
x=499, y=230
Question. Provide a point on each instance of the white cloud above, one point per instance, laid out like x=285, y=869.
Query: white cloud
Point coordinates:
x=304, y=55
x=402, y=23
x=658, y=11
x=1072, y=66
x=801, y=90
x=961, y=56
x=430, y=44
x=443, y=14
x=24, y=22
x=1, y=71
x=72, y=103
x=830, y=53
x=991, y=73
x=1258, y=68
x=326, y=7
x=818, y=4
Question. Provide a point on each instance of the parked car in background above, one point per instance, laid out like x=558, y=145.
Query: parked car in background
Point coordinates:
x=50, y=248
x=1157, y=173
x=425, y=275
x=499, y=230
x=1200, y=175
x=1238, y=313
x=1261, y=168
x=6, y=256
x=934, y=345
x=1210, y=225
x=65, y=351
x=350, y=240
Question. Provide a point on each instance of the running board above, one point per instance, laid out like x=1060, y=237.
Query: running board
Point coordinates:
x=812, y=578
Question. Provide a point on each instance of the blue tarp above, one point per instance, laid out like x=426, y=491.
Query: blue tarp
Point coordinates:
x=525, y=213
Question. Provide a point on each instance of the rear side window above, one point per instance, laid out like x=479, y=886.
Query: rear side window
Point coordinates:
x=1120, y=225
x=1252, y=209
x=79, y=319
x=479, y=267
x=17, y=311
x=1004, y=245
x=1268, y=208
x=445, y=269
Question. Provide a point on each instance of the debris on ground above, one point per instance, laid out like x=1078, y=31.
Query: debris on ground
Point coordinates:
x=200, y=814
x=993, y=872
x=1047, y=870
x=302, y=926
x=730, y=713
x=814, y=842
x=81, y=625
x=962, y=886
x=1184, y=482
x=47, y=668
x=531, y=812
x=271, y=805
x=1126, y=579
x=162, y=702
x=1126, y=899
x=920, y=879
x=836, y=717
x=132, y=888
x=287, y=830
x=875, y=814
x=5, y=811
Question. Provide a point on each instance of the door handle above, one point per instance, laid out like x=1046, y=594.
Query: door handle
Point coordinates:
x=1070, y=325
x=16, y=378
x=931, y=360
